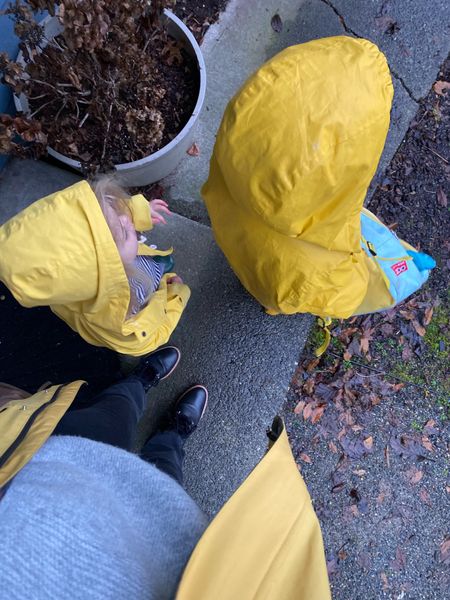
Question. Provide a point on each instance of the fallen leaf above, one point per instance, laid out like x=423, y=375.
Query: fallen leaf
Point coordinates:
x=317, y=413
x=307, y=411
x=308, y=388
x=374, y=399
x=338, y=487
x=447, y=489
x=355, y=495
x=406, y=446
x=354, y=510
x=299, y=408
x=332, y=446
x=442, y=201
x=384, y=580
x=324, y=392
x=347, y=355
x=444, y=551
x=399, y=562
x=387, y=24
x=427, y=444
x=277, y=23
x=342, y=554
x=440, y=86
x=365, y=339
x=425, y=497
x=305, y=458
x=332, y=567
x=312, y=364
x=387, y=456
x=368, y=443
x=194, y=150
x=418, y=327
x=429, y=427
x=407, y=352
x=414, y=475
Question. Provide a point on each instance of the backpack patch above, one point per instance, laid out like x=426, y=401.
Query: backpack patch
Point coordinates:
x=400, y=267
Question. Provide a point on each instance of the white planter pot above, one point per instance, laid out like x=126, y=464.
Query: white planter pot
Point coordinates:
x=159, y=164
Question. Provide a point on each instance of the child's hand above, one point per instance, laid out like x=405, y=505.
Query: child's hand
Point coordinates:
x=174, y=279
x=157, y=207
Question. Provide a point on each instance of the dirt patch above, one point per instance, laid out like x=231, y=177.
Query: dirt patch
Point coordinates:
x=199, y=14
x=369, y=421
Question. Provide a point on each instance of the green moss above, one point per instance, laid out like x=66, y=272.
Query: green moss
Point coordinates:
x=434, y=336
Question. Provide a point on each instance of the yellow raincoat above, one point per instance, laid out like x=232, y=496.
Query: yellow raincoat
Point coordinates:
x=294, y=156
x=60, y=252
x=265, y=543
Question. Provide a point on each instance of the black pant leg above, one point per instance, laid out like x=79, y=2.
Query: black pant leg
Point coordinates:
x=165, y=451
x=112, y=418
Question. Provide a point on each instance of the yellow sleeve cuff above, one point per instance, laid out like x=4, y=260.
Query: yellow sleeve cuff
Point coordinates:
x=140, y=211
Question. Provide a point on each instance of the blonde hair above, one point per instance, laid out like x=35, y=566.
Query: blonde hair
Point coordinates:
x=112, y=196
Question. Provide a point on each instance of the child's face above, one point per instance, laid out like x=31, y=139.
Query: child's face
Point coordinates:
x=124, y=234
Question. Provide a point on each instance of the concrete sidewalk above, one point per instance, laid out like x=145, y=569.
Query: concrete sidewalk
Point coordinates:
x=228, y=343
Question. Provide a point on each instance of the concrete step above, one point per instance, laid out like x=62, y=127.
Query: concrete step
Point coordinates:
x=244, y=357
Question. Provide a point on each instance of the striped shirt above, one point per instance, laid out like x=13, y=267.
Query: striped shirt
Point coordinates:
x=151, y=270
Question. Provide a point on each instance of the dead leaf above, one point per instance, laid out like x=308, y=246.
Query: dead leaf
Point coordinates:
x=407, y=352
x=368, y=443
x=308, y=388
x=399, y=562
x=425, y=497
x=444, y=551
x=332, y=567
x=305, y=458
x=447, y=489
x=365, y=339
x=342, y=554
x=387, y=456
x=317, y=413
x=440, y=86
x=414, y=475
x=338, y=487
x=429, y=427
x=194, y=150
x=384, y=580
x=427, y=444
x=387, y=24
x=307, y=411
x=418, y=327
x=347, y=355
x=299, y=408
x=276, y=23
x=312, y=364
x=441, y=198
x=332, y=446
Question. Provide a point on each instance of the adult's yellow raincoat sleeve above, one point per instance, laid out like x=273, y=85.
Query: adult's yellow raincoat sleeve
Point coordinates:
x=140, y=211
x=265, y=543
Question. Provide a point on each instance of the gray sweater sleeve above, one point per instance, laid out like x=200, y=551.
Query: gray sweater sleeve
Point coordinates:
x=84, y=520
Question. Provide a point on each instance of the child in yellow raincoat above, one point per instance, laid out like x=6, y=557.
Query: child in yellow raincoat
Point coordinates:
x=77, y=251
x=294, y=156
